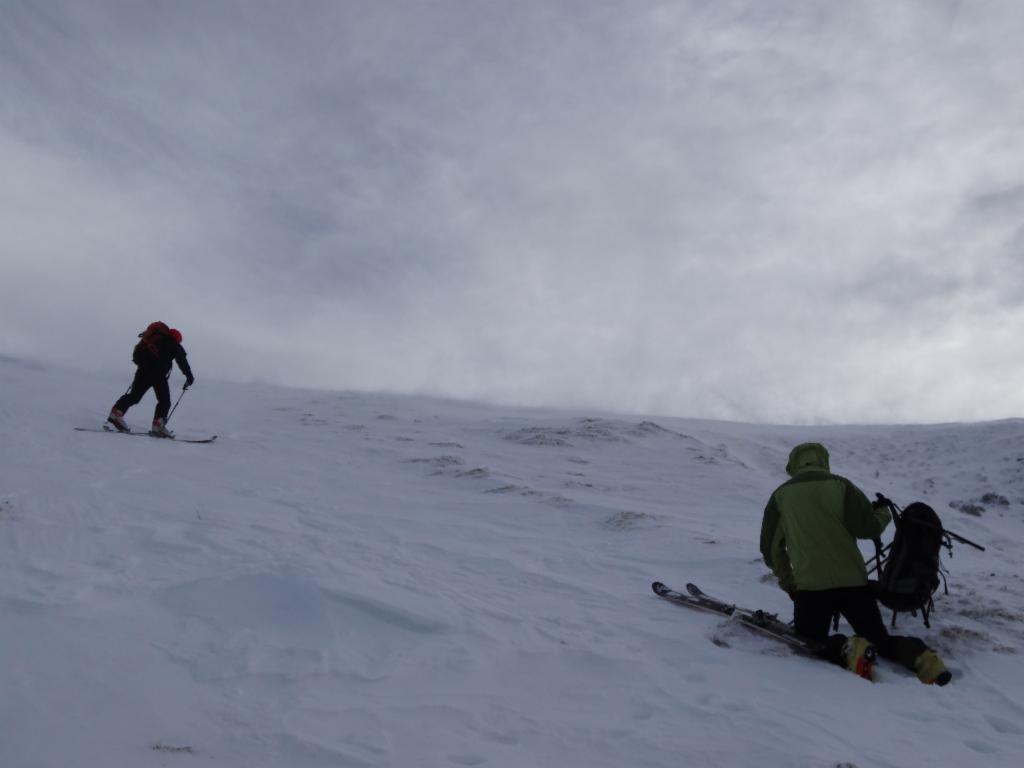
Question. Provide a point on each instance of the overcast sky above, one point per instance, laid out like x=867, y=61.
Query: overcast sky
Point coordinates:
x=745, y=209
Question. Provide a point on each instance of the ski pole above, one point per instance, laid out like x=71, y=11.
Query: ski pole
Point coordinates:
x=175, y=405
x=897, y=512
x=878, y=557
x=962, y=540
x=943, y=529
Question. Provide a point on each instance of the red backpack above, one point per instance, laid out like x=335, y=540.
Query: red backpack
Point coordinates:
x=147, y=350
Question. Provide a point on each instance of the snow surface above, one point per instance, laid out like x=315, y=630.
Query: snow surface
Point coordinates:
x=368, y=580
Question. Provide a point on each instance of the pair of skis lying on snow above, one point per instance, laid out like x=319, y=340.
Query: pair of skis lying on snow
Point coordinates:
x=761, y=622
x=107, y=428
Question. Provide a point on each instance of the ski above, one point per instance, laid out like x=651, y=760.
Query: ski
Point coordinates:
x=148, y=434
x=761, y=622
x=697, y=592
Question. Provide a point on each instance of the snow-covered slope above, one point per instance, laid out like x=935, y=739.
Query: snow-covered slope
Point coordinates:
x=365, y=580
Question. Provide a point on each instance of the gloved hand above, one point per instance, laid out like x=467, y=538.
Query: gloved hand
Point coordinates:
x=880, y=502
x=189, y=382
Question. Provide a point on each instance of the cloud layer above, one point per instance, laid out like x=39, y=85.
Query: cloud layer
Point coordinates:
x=748, y=210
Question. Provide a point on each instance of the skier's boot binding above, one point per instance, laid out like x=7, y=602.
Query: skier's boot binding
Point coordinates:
x=930, y=669
x=860, y=655
x=160, y=429
x=116, y=418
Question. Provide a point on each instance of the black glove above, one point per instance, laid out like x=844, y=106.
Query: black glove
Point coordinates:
x=189, y=382
x=880, y=502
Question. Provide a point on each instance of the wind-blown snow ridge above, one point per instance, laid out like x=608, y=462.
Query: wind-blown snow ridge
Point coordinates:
x=365, y=580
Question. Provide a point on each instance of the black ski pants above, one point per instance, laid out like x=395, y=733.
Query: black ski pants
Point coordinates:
x=146, y=377
x=813, y=612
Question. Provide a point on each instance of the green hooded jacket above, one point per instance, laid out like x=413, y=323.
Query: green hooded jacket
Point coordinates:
x=812, y=522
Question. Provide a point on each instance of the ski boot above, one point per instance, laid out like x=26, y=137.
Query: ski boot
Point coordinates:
x=160, y=429
x=860, y=655
x=116, y=418
x=930, y=669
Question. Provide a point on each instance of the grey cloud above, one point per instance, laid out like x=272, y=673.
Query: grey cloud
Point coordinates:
x=670, y=206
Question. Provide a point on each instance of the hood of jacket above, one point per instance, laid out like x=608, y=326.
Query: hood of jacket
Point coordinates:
x=806, y=457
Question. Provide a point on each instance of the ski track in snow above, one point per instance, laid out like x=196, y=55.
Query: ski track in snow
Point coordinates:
x=368, y=580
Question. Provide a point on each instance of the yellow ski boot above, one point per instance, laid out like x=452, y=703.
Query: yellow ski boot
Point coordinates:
x=860, y=655
x=930, y=669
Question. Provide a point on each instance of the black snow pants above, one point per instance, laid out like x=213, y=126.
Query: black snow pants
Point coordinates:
x=813, y=611
x=147, y=376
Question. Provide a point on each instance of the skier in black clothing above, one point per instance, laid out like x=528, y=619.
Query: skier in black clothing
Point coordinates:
x=160, y=346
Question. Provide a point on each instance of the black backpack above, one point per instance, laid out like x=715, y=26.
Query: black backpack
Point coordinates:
x=911, y=572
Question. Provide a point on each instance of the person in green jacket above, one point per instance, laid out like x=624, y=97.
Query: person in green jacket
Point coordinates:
x=809, y=539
